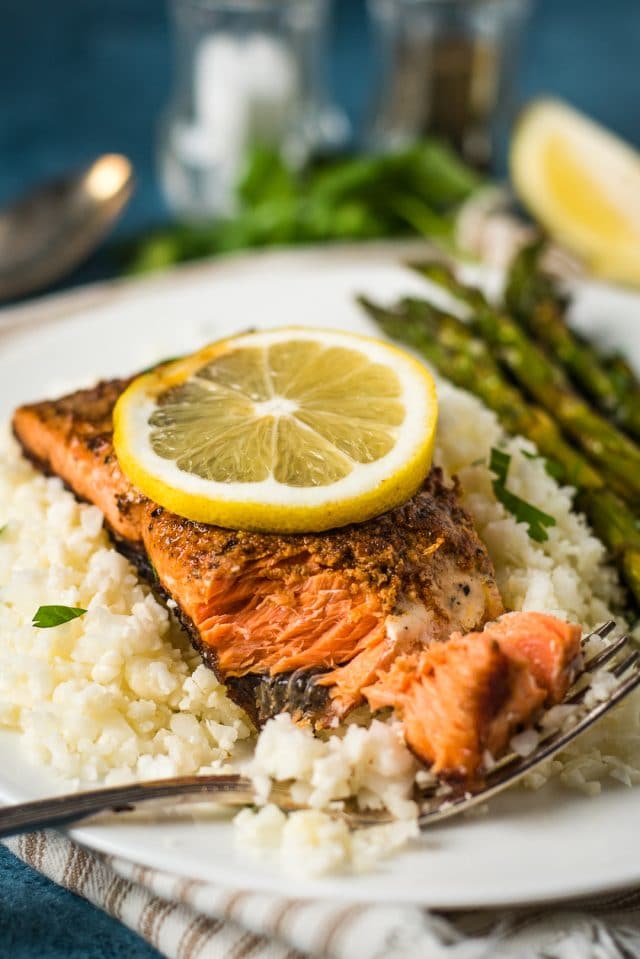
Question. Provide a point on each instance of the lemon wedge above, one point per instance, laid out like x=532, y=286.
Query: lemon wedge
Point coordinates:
x=286, y=430
x=583, y=184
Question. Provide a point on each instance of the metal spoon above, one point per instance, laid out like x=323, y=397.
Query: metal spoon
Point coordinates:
x=54, y=227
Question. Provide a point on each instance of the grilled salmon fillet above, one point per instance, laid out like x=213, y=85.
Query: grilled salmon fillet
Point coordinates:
x=309, y=623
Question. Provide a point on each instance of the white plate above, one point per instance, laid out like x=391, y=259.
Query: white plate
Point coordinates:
x=531, y=846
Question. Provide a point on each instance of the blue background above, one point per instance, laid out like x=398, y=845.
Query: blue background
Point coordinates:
x=81, y=77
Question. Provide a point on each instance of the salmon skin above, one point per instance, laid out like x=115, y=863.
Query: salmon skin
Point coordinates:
x=314, y=624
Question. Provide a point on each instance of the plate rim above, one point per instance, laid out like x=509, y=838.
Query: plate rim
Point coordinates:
x=18, y=323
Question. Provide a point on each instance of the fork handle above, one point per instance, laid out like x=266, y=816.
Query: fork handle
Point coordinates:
x=63, y=810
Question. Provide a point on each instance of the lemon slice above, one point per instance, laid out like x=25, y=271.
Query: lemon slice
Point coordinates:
x=287, y=430
x=583, y=184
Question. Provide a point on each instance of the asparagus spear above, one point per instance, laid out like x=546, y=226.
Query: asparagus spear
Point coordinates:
x=477, y=371
x=447, y=342
x=627, y=383
x=534, y=299
x=450, y=346
x=614, y=452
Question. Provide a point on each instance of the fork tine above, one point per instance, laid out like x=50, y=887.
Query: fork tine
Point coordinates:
x=621, y=668
x=577, y=697
x=602, y=631
x=622, y=690
x=575, y=700
x=618, y=670
x=560, y=739
x=606, y=654
x=506, y=774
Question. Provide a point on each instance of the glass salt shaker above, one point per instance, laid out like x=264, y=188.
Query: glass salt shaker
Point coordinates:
x=446, y=68
x=246, y=72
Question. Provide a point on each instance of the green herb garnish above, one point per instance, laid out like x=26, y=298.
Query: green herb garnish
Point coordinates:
x=48, y=616
x=2, y=528
x=415, y=190
x=551, y=467
x=523, y=512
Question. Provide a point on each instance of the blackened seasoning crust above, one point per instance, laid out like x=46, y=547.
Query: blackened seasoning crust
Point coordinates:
x=295, y=622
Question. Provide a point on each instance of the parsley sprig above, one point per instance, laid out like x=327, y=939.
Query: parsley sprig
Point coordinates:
x=523, y=512
x=48, y=616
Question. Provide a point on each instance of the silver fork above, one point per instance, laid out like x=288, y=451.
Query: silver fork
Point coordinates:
x=440, y=801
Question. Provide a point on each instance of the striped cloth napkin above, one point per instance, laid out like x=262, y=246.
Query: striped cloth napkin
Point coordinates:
x=185, y=919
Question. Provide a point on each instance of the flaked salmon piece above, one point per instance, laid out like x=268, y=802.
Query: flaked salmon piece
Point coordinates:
x=298, y=622
x=457, y=700
x=548, y=645
x=468, y=696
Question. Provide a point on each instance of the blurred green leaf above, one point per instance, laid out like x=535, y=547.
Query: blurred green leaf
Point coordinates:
x=265, y=174
x=413, y=191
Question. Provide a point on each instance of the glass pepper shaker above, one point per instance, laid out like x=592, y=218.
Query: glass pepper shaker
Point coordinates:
x=446, y=68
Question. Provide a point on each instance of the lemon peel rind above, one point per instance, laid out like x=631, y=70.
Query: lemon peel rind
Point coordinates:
x=332, y=509
x=272, y=518
x=541, y=120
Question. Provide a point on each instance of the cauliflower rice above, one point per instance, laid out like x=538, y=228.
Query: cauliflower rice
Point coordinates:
x=119, y=693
